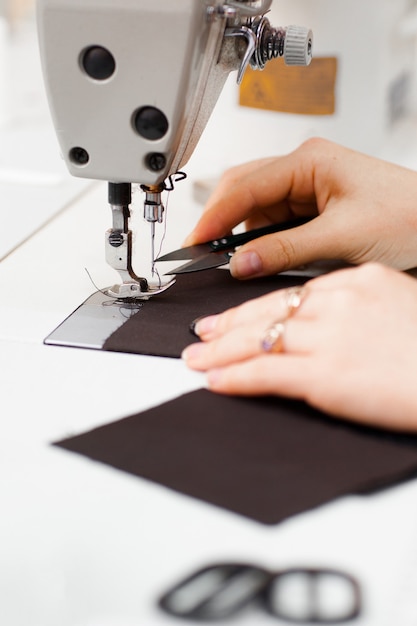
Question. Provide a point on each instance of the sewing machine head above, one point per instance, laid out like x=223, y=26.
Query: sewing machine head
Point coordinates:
x=131, y=85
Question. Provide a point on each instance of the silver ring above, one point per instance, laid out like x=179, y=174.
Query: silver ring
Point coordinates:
x=273, y=339
x=294, y=299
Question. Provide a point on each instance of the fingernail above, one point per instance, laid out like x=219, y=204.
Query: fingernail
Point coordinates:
x=246, y=264
x=213, y=378
x=193, y=325
x=203, y=326
x=192, y=353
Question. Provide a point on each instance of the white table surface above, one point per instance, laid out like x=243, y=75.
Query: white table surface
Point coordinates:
x=82, y=544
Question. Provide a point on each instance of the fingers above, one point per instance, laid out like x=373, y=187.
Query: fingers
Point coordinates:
x=263, y=310
x=278, y=184
x=306, y=182
x=233, y=177
x=245, y=332
x=222, y=335
x=247, y=341
x=226, y=349
x=239, y=333
x=349, y=332
x=286, y=250
x=286, y=375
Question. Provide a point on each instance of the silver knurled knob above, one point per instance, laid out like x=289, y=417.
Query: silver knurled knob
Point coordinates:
x=298, y=45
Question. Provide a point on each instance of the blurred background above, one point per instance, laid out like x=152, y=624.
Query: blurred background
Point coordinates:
x=34, y=183
x=361, y=91
x=367, y=53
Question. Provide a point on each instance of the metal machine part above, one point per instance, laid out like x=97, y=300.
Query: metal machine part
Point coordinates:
x=93, y=322
x=131, y=85
x=153, y=211
x=118, y=246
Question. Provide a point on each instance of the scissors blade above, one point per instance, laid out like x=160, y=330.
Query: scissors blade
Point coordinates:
x=206, y=262
x=230, y=242
x=191, y=252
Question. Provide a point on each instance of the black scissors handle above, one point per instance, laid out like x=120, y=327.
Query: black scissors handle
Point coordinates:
x=231, y=241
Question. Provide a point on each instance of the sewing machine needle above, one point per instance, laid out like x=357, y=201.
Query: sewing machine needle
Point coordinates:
x=153, y=247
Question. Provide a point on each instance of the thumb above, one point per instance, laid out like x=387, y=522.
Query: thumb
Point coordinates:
x=286, y=250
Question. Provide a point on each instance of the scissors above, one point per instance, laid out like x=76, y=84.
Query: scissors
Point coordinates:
x=211, y=254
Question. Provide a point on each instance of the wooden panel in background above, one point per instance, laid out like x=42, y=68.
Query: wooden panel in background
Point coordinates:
x=288, y=89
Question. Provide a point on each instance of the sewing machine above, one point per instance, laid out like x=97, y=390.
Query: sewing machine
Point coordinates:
x=131, y=85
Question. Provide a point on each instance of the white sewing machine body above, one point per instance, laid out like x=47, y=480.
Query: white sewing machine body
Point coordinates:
x=162, y=60
x=131, y=86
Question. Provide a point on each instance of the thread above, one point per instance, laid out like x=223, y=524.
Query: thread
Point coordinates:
x=130, y=305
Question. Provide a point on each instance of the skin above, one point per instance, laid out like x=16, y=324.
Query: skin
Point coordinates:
x=359, y=323
x=365, y=208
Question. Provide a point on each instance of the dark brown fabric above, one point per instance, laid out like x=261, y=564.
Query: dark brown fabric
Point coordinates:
x=266, y=459
x=162, y=325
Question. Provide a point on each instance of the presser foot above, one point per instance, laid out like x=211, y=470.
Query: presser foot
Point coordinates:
x=131, y=291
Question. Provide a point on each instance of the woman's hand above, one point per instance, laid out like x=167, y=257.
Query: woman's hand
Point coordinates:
x=349, y=349
x=366, y=208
